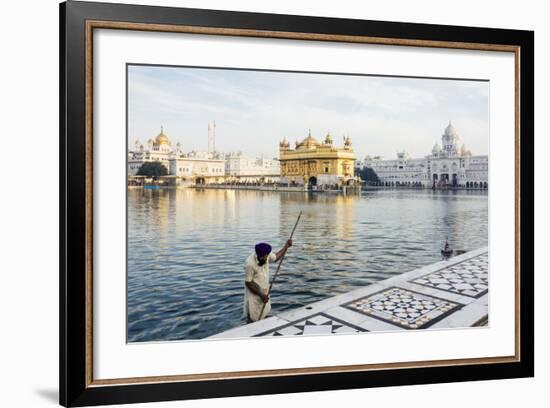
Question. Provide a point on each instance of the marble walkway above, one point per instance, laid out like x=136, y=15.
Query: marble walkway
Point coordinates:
x=446, y=294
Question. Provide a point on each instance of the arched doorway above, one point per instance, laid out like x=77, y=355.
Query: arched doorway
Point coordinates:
x=199, y=180
x=312, y=181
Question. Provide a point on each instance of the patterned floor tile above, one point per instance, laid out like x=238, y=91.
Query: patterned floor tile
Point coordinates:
x=403, y=307
x=469, y=278
x=319, y=323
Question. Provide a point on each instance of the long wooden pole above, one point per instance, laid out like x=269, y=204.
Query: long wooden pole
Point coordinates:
x=279, y=266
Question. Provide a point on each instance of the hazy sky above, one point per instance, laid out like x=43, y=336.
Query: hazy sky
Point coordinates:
x=254, y=110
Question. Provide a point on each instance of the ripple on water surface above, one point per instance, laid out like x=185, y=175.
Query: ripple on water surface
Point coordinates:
x=186, y=248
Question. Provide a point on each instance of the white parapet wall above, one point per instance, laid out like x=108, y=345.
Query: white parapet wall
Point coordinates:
x=446, y=294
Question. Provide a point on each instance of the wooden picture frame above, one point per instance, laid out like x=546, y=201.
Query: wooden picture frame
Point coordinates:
x=78, y=20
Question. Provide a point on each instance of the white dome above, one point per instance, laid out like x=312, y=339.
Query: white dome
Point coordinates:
x=436, y=149
x=450, y=130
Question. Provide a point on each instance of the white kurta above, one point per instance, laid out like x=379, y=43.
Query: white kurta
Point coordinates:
x=260, y=275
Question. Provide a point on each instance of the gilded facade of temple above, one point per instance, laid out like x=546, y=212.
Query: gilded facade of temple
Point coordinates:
x=317, y=164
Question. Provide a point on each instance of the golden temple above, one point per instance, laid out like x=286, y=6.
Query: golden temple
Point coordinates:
x=317, y=164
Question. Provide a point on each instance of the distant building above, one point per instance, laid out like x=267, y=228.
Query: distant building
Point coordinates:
x=403, y=170
x=239, y=167
x=237, y=164
x=450, y=165
x=315, y=163
x=194, y=166
x=199, y=167
x=158, y=149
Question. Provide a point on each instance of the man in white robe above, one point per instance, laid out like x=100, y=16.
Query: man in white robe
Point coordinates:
x=257, y=280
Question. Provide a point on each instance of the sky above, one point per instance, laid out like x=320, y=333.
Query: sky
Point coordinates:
x=254, y=110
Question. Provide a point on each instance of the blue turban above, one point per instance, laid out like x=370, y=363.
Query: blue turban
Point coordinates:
x=262, y=249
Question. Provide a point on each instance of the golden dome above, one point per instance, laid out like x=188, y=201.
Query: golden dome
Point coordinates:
x=309, y=141
x=161, y=138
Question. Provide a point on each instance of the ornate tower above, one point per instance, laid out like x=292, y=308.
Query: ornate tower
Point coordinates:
x=449, y=141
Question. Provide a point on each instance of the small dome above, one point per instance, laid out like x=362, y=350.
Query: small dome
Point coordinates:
x=328, y=139
x=436, y=149
x=284, y=143
x=347, y=142
x=464, y=151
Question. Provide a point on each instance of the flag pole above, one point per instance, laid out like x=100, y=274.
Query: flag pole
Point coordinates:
x=279, y=266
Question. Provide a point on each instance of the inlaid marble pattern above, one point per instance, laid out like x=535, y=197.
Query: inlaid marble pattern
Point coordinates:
x=469, y=278
x=403, y=307
x=319, y=323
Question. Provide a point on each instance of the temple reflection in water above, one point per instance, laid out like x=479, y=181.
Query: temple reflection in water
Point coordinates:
x=186, y=248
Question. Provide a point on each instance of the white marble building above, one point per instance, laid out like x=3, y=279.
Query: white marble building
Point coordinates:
x=243, y=168
x=201, y=166
x=158, y=149
x=197, y=165
x=177, y=163
x=448, y=165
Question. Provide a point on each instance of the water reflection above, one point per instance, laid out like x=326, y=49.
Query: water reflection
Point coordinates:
x=186, y=248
